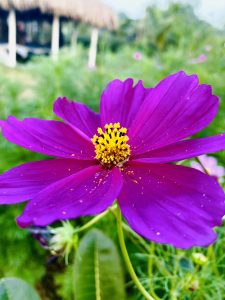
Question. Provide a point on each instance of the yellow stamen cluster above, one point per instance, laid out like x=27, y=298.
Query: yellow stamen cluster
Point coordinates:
x=111, y=146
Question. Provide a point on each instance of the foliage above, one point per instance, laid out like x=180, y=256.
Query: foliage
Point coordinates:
x=16, y=289
x=98, y=273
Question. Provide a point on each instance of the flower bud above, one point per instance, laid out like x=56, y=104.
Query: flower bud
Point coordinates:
x=199, y=258
x=63, y=240
x=194, y=285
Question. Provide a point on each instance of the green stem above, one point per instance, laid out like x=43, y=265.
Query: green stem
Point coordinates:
x=129, y=230
x=144, y=245
x=93, y=221
x=150, y=270
x=210, y=251
x=201, y=164
x=212, y=257
x=127, y=258
x=173, y=293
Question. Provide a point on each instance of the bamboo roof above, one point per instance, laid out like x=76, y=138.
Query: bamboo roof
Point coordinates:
x=18, y=4
x=93, y=12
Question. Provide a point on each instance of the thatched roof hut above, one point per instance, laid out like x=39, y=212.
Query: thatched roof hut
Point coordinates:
x=93, y=12
x=18, y=4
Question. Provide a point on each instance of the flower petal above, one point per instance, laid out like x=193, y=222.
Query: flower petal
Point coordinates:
x=172, y=204
x=176, y=108
x=87, y=192
x=120, y=101
x=48, y=137
x=77, y=115
x=23, y=182
x=184, y=149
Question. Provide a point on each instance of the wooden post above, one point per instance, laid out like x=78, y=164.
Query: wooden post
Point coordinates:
x=74, y=35
x=55, y=37
x=12, y=37
x=93, y=49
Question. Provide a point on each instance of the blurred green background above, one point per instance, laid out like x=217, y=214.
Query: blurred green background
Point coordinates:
x=149, y=49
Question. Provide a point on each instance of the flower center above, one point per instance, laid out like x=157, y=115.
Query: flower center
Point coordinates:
x=111, y=146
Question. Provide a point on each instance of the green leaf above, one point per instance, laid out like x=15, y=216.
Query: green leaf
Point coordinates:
x=98, y=272
x=16, y=289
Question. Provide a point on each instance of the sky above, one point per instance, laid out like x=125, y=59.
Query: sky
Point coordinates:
x=212, y=11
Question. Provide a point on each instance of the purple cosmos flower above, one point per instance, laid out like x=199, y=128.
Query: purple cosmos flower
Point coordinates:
x=199, y=60
x=125, y=153
x=137, y=55
x=208, y=48
x=211, y=165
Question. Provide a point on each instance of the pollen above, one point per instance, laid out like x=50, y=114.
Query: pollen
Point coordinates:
x=111, y=146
